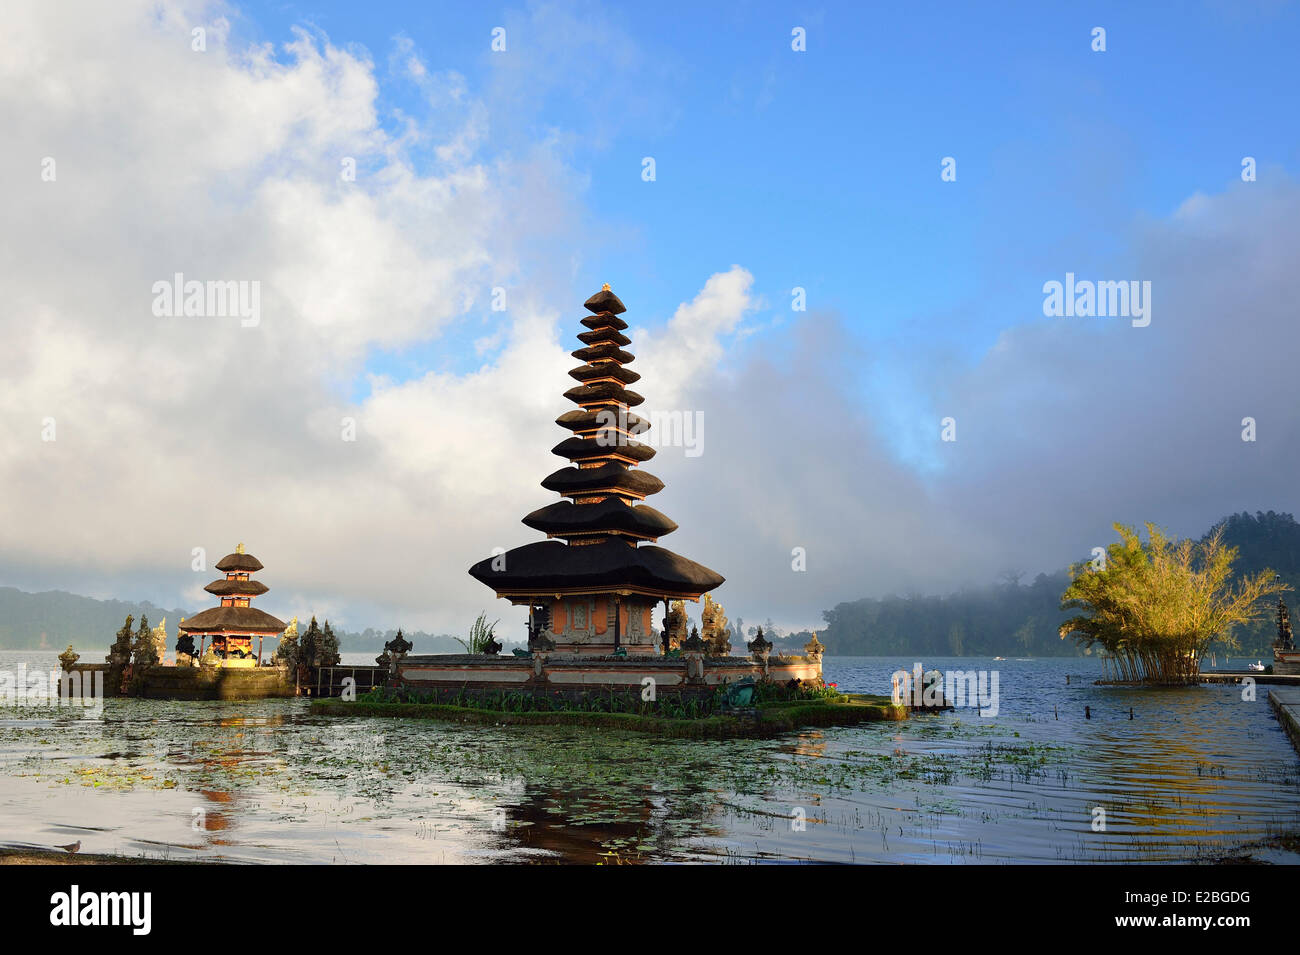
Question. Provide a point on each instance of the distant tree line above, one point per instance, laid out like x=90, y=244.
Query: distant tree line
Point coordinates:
x=1004, y=619
x=1014, y=619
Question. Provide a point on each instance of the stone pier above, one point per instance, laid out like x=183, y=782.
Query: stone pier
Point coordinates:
x=1286, y=703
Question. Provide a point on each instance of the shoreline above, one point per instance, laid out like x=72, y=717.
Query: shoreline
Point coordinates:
x=37, y=856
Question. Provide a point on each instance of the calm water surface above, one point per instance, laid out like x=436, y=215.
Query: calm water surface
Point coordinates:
x=1197, y=774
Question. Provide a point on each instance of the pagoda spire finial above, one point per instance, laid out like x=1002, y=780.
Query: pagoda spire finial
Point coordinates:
x=605, y=287
x=240, y=548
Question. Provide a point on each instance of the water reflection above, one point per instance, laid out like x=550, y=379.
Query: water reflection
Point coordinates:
x=1197, y=773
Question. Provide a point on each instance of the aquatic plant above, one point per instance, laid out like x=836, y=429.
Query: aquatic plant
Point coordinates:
x=1155, y=607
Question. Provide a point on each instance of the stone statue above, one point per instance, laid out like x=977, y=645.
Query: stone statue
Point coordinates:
x=675, y=624
x=394, y=650
x=1285, y=639
x=286, y=651
x=693, y=643
x=159, y=635
x=717, y=635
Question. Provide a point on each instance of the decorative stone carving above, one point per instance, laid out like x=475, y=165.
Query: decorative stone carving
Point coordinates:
x=68, y=657
x=1285, y=639
x=694, y=644
x=675, y=625
x=760, y=648
x=159, y=635
x=693, y=650
x=394, y=650
x=717, y=634
x=814, y=647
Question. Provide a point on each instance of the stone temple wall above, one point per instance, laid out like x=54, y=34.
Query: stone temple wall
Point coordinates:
x=567, y=674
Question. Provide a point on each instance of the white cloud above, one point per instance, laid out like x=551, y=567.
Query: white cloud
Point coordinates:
x=175, y=433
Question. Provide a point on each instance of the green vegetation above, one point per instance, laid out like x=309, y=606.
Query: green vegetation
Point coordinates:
x=779, y=709
x=143, y=651
x=315, y=648
x=1154, y=608
x=1011, y=618
x=481, y=635
x=121, y=648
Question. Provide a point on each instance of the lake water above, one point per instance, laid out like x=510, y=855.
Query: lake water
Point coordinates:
x=1198, y=773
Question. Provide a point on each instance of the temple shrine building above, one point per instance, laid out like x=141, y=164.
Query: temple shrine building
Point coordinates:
x=229, y=629
x=592, y=586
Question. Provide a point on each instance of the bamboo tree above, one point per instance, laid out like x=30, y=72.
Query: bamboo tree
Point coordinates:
x=1155, y=607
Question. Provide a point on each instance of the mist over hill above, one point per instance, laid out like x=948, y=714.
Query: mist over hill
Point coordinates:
x=1007, y=618
x=1011, y=618
x=53, y=619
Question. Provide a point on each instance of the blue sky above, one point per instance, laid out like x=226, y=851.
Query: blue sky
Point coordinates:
x=821, y=169
x=818, y=169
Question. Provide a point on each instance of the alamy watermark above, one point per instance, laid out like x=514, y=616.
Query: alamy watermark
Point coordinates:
x=956, y=688
x=240, y=298
x=1086, y=299
x=78, y=689
x=668, y=429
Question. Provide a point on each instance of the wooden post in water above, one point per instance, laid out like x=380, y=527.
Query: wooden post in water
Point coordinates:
x=1087, y=712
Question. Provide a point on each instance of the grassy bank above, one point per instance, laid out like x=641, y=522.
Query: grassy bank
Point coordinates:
x=766, y=719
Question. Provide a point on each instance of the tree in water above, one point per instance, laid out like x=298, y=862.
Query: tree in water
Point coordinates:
x=1155, y=607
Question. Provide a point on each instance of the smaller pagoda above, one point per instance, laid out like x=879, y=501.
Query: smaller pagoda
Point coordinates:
x=232, y=626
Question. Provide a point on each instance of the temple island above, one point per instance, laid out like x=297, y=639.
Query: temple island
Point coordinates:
x=591, y=588
x=225, y=665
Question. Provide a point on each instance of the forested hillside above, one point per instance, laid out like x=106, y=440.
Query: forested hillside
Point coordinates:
x=1015, y=619
x=53, y=619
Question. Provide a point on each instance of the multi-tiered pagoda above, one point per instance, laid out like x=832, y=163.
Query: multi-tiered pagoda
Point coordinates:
x=592, y=586
x=232, y=626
